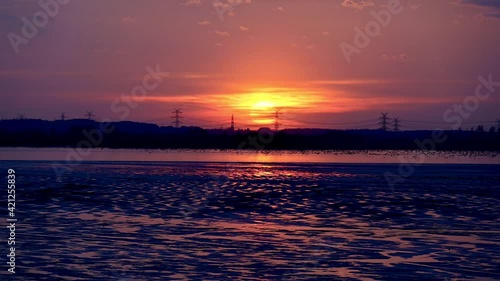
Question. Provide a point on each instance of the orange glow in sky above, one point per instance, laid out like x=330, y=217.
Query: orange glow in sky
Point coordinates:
x=260, y=104
x=266, y=55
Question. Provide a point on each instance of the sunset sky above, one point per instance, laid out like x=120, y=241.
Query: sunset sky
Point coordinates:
x=261, y=55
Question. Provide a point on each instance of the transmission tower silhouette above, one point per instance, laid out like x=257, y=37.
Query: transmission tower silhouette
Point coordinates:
x=277, y=116
x=21, y=116
x=63, y=116
x=383, y=121
x=232, y=122
x=90, y=114
x=396, y=125
x=177, y=116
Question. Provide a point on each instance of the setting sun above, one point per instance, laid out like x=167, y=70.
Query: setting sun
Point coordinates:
x=260, y=104
x=264, y=105
x=268, y=99
x=261, y=112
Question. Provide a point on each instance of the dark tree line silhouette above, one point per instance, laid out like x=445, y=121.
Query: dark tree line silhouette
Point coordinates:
x=41, y=133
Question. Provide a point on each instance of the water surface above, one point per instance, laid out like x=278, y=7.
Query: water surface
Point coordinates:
x=256, y=221
x=254, y=156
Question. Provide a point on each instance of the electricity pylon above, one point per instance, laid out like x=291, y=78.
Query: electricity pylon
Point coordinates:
x=384, y=119
x=177, y=116
x=396, y=124
x=90, y=114
x=277, y=117
x=232, y=122
x=21, y=116
x=63, y=116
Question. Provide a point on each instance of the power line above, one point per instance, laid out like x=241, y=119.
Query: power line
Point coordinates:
x=208, y=121
x=416, y=125
x=367, y=123
x=383, y=122
x=342, y=123
x=156, y=120
x=443, y=123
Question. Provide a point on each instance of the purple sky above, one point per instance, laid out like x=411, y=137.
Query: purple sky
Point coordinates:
x=263, y=54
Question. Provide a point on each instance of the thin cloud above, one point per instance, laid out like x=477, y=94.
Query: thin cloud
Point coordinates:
x=494, y=4
x=193, y=3
x=238, y=2
x=357, y=4
x=222, y=33
x=492, y=15
x=403, y=57
x=190, y=75
x=128, y=20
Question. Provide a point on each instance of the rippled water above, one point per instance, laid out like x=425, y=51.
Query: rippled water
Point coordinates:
x=244, y=221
